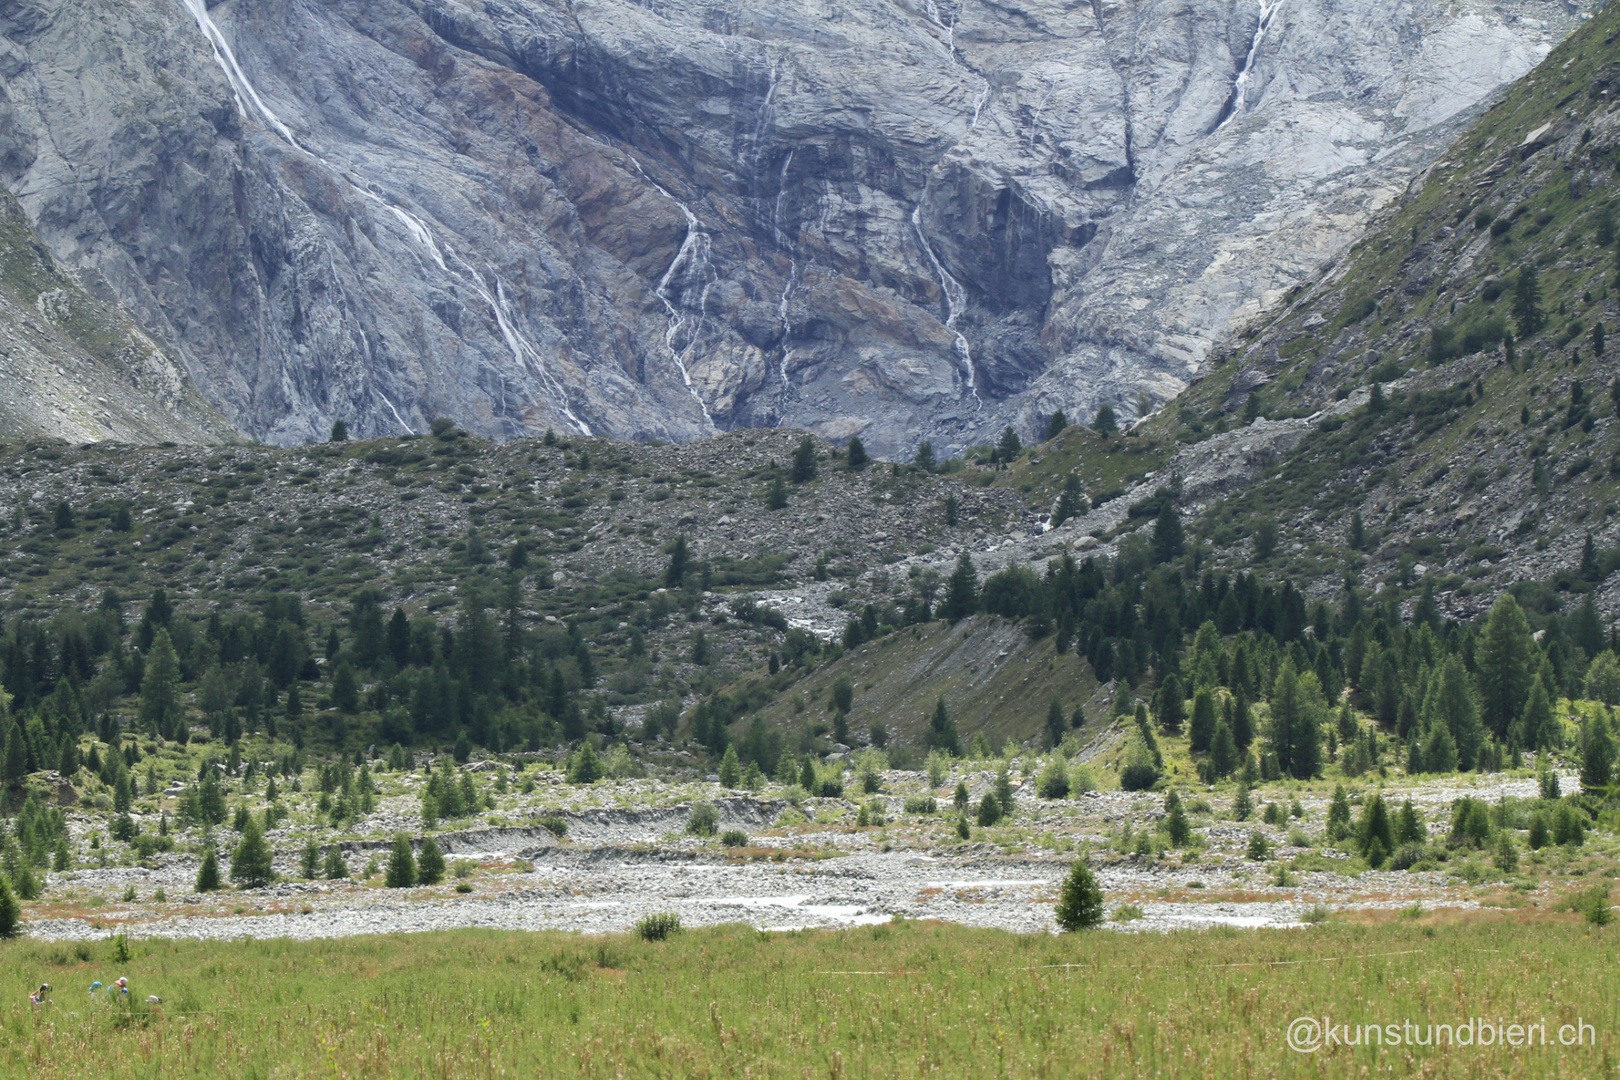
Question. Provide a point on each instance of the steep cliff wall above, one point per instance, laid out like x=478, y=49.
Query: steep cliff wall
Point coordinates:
x=651, y=221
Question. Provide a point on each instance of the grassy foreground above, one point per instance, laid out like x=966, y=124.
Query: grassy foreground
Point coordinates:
x=897, y=1000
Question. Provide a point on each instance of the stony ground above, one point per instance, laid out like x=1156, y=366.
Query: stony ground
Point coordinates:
x=627, y=854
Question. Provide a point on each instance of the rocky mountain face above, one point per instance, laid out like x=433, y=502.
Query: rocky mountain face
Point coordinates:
x=1481, y=306
x=657, y=221
x=76, y=369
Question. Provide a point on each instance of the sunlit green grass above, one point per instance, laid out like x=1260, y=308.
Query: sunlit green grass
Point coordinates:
x=896, y=1000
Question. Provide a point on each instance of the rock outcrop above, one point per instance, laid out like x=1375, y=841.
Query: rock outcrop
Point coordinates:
x=895, y=219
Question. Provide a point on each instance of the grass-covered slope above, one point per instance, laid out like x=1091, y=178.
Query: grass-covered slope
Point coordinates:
x=993, y=677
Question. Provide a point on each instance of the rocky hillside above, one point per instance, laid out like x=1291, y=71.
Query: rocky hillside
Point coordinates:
x=909, y=221
x=74, y=368
x=1490, y=453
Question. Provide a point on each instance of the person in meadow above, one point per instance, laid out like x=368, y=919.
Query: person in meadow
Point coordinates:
x=123, y=986
x=38, y=996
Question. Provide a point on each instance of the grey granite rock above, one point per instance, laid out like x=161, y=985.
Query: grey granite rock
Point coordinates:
x=895, y=219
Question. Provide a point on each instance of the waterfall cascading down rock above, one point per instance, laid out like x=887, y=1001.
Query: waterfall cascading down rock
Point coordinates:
x=910, y=221
x=523, y=350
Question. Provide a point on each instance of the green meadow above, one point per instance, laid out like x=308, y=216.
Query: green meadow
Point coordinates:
x=898, y=1000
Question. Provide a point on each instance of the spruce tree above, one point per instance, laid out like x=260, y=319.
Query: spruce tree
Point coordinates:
x=1169, y=538
x=584, y=767
x=675, y=572
x=345, y=688
x=1144, y=732
x=804, y=461
x=160, y=686
x=1172, y=708
x=1071, y=501
x=776, y=496
x=1294, y=735
x=1201, y=732
x=961, y=591
x=430, y=863
x=1242, y=804
x=1080, y=902
x=1222, y=750
x=1540, y=832
x=1409, y=828
x=1505, y=658
x=1055, y=425
x=1104, y=422
x=857, y=454
x=308, y=860
x=1009, y=447
x=10, y=912
x=1597, y=756
x=1057, y=725
x=730, y=769
x=401, y=872
x=1175, y=821
x=1451, y=702
x=990, y=810
x=1338, y=819
x=1528, y=318
x=1375, y=828
x=340, y=432
x=251, y=862
x=1537, y=728
x=334, y=868
x=1439, y=749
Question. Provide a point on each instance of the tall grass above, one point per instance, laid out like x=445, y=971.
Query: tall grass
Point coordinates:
x=917, y=999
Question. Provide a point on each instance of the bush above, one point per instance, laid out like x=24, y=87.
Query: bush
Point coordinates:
x=658, y=926
x=1053, y=781
x=703, y=820
x=1594, y=904
x=734, y=838
x=1080, y=903
x=921, y=804
x=870, y=770
x=555, y=825
x=1081, y=780
x=1137, y=776
x=1128, y=913
x=1408, y=855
